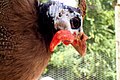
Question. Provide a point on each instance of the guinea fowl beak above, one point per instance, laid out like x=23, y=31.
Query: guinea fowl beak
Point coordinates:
x=79, y=43
x=65, y=36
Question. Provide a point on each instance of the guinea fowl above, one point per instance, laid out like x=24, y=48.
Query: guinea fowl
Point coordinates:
x=27, y=35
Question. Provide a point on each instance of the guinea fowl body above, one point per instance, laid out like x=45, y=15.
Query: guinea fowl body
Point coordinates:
x=23, y=53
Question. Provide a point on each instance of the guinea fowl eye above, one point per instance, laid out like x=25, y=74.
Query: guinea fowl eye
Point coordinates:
x=75, y=23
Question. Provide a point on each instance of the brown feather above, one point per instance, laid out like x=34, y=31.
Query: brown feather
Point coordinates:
x=23, y=54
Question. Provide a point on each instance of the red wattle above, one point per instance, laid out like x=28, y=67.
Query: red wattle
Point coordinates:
x=64, y=36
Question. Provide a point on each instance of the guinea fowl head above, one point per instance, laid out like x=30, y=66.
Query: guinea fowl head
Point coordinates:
x=62, y=23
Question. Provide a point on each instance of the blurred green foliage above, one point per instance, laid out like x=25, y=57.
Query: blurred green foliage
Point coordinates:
x=99, y=60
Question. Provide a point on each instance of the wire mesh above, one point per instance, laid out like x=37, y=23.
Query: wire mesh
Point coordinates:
x=63, y=73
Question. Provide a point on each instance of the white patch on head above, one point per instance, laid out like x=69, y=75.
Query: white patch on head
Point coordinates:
x=72, y=3
x=62, y=17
